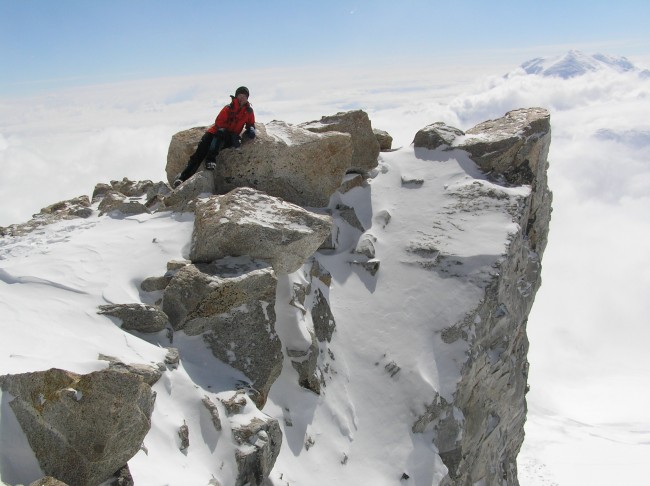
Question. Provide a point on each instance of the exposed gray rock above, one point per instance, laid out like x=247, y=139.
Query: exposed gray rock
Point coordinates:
x=305, y=363
x=351, y=181
x=364, y=142
x=259, y=445
x=249, y=222
x=154, y=284
x=480, y=432
x=310, y=362
x=324, y=322
x=48, y=481
x=183, y=199
x=114, y=203
x=299, y=293
x=231, y=303
x=121, y=478
x=349, y=215
x=236, y=403
x=217, y=288
x=78, y=207
x=366, y=245
x=184, y=436
x=137, y=317
x=172, y=358
x=511, y=146
x=82, y=428
x=131, y=189
x=384, y=139
x=150, y=374
x=182, y=146
x=211, y=407
x=321, y=273
x=371, y=266
x=412, y=182
x=128, y=197
x=173, y=265
x=284, y=160
x=436, y=135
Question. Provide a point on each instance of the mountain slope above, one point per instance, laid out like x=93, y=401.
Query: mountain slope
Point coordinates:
x=424, y=378
x=575, y=63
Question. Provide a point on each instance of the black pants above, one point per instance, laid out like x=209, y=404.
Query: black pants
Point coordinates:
x=208, y=149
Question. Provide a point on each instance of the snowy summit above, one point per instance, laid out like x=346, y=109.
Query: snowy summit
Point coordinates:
x=192, y=337
x=575, y=63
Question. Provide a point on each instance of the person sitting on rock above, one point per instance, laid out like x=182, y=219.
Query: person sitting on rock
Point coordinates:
x=224, y=133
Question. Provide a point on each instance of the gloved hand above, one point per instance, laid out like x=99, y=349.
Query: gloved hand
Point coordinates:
x=250, y=132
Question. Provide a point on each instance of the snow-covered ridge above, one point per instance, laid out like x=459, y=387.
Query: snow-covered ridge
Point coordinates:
x=425, y=291
x=576, y=63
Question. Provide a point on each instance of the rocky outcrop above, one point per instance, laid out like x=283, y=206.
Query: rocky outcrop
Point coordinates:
x=247, y=240
x=480, y=432
x=126, y=197
x=230, y=303
x=149, y=374
x=436, y=135
x=284, y=161
x=78, y=207
x=365, y=146
x=137, y=317
x=513, y=149
x=82, y=428
x=384, y=139
x=510, y=146
x=507, y=147
x=259, y=445
x=182, y=146
x=184, y=198
x=249, y=222
x=516, y=148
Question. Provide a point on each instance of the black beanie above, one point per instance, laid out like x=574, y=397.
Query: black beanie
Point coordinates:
x=242, y=89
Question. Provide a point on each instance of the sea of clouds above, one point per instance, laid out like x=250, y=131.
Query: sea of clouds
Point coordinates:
x=588, y=330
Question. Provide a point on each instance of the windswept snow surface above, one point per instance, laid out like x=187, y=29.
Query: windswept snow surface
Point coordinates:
x=590, y=392
x=387, y=360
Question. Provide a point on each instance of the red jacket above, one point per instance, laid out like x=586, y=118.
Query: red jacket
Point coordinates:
x=233, y=117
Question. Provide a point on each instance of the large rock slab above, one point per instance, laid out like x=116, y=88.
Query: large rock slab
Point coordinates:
x=512, y=145
x=82, y=428
x=136, y=317
x=259, y=442
x=181, y=147
x=365, y=146
x=384, y=139
x=231, y=304
x=183, y=199
x=284, y=160
x=249, y=222
x=436, y=135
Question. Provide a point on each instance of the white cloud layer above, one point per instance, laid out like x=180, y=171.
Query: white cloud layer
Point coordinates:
x=588, y=330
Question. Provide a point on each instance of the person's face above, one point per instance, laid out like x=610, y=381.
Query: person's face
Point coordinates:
x=242, y=98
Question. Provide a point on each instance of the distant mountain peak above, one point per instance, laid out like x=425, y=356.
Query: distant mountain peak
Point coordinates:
x=576, y=63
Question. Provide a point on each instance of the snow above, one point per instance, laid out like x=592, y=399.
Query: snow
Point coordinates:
x=280, y=131
x=587, y=420
x=388, y=360
x=576, y=63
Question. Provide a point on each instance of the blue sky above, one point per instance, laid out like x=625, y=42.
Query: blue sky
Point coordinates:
x=46, y=45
